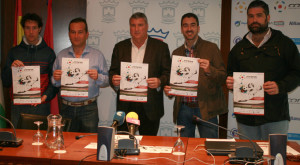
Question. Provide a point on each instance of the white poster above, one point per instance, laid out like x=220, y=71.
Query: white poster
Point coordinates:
x=108, y=23
x=133, y=85
x=184, y=76
x=74, y=79
x=26, y=85
x=248, y=93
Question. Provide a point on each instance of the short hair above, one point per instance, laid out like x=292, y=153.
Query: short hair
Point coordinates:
x=138, y=15
x=78, y=20
x=259, y=3
x=32, y=17
x=189, y=15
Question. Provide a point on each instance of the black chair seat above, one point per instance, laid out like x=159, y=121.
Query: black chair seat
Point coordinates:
x=26, y=121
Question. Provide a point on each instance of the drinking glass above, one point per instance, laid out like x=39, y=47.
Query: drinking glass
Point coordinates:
x=38, y=138
x=178, y=148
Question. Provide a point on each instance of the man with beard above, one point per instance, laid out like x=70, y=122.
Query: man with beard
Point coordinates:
x=210, y=101
x=266, y=50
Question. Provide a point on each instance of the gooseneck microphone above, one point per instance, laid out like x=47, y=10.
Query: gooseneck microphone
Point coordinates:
x=133, y=122
x=197, y=119
x=81, y=136
x=7, y=139
x=119, y=119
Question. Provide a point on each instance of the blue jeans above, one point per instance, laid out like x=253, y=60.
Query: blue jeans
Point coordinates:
x=262, y=132
x=185, y=118
x=84, y=118
x=16, y=110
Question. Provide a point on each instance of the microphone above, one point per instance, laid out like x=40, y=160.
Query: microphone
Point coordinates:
x=8, y=139
x=243, y=152
x=81, y=136
x=119, y=119
x=133, y=122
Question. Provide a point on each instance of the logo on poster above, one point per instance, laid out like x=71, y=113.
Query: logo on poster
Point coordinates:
x=213, y=37
x=280, y=6
x=138, y=6
x=294, y=100
x=237, y=39
x=241, y=6
x=277, y=23
x=158, y=34
x=179, y=39
x=109, y=10
x=199, y=8
x=233, y=132
x=168, y=11
x=296, y=41
x=239, y=23
x=294, y=6
x=294, y=23
x=94, y=39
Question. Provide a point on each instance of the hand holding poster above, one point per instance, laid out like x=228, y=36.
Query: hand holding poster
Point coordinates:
x=248, y=93
x=133, y=85
x=184, y=76
x=74, y=79
x=26, y=85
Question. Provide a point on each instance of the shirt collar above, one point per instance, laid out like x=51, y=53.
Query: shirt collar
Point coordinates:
x=266, y=37
x=143, y=46
x=85, y=51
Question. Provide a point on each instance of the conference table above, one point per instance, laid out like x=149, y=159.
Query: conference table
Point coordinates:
x=76, y=151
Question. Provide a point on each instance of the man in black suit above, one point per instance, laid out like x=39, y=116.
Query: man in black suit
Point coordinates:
x=141, y=48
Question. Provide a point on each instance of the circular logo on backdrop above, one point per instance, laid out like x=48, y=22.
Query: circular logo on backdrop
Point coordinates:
x=237, y=39
x=240, y=6
x=280, y=6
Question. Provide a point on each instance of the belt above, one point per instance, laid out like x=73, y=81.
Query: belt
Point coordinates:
x=191, y=104
x=79, y=103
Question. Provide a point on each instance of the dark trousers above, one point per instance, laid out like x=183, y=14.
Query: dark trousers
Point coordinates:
x=147, y=127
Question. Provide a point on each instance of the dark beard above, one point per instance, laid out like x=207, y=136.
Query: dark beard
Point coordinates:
x=258, y=30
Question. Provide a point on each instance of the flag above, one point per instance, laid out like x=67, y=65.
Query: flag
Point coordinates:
x=18, y=29
x=48, y=37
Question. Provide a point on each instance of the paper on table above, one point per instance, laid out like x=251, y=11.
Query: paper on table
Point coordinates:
x=220, y=140
x=155, y=149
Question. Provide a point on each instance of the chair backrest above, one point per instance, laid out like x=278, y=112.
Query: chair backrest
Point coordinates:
x=26, y=121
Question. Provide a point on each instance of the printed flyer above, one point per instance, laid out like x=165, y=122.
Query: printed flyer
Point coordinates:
x=74, y=79
x=248, y=93
x=26, y=85
x=133, y=85
x=184, y=76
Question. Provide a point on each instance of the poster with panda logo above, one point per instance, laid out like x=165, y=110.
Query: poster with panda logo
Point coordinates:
x=184, y=76
x=74, y=78
x=26, y=85
x=133, y=84
x=248, y=93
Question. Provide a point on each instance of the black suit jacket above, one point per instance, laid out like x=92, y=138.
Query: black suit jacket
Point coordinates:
x=157, y=56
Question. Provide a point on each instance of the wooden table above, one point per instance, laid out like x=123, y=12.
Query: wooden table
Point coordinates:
x=201, y=154
x=37, y=155
x=29, y=154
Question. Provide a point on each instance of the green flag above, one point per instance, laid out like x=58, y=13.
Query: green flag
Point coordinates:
x=2, y=121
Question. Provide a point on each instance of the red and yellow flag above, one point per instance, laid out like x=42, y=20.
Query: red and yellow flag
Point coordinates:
x=18, y=30
x=48, y=37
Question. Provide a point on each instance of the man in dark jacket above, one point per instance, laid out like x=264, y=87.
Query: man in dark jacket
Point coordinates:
x=142, y=49
x=268, y=51
x=32, y=51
